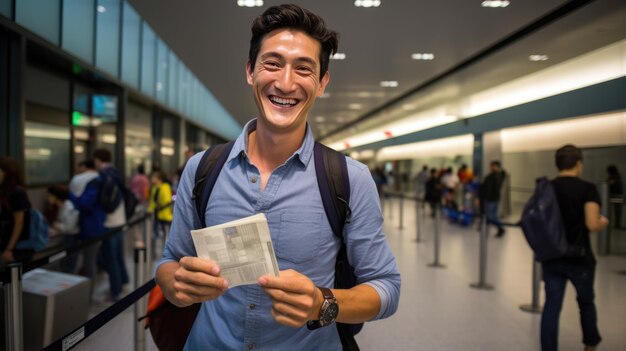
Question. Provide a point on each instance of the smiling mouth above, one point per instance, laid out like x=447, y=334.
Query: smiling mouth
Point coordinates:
x=283, y=102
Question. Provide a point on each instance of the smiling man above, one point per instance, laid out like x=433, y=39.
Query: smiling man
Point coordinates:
x=271, y=169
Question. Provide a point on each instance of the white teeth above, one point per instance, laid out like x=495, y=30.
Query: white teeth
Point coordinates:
x=283, y=101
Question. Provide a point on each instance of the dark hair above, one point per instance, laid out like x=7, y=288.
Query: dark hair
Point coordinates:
x=59, y=191
x=103, y=155
x=294, y=17
x=88, y=163
x=612, y=170
x=13, y=178
x=141, y=169
x=496, y=163
x=161, y=175
x=567, y=156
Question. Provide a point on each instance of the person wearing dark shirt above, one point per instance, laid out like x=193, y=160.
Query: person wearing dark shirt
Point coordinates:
x=579, y=203
x=432, y=194
x=616, y=191
x=490, y=195
x=14, y=209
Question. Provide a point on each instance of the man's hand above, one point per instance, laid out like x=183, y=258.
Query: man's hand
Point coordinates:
x=295, y=299
x=196, y=280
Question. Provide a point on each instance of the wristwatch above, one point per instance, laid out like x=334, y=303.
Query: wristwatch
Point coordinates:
x=328, y=311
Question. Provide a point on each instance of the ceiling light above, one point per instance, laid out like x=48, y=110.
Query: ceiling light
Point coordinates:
x=423, y=56
x=325, y=96
x=320, y=119
x=495, y=3
x=538, y=57
x=101, y=9
x=338, y=56
x=249, y=3
x=389, y=84
x=364, y=94
x=408, y=107
x=355, y=106
x=367, y=3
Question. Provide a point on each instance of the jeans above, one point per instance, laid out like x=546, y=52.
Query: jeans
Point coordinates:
x=113, y=259
x=555, y=277
x=491, y=207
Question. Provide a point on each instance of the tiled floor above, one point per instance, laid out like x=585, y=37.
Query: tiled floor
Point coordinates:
x=438, y=309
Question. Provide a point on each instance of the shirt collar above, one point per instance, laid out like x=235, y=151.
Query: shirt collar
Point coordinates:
x=303, y=154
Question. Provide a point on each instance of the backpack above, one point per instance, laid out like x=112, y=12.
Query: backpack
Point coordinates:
x=543, y=227
x=38, y=236
x=332, y=178
x=113, y=192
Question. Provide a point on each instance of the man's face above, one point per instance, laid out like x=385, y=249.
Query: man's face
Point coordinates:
x=286, y=79
x=495, y=168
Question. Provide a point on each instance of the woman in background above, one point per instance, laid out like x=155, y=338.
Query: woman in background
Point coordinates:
x=14, y=208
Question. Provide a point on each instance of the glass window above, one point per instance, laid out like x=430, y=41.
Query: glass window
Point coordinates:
x=148, y=60
x=169, y=145
x=131, y=39
x=172, y=96
x=6, y=8
x=108, y=35
x=78, y=27
x=41, y=17
x=162, y=68
x=47, y=145
x=183, y=89
x=138, y=139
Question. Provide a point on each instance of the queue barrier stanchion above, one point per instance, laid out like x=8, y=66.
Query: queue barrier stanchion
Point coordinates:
x=534, y=306
x=418, y=221
x=401, y=205
x=482, y=258
x=140, y=305
x=436, y=263
x=13, y=318
x=603, y=235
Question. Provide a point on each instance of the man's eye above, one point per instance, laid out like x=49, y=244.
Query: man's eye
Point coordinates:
x=271, y=64
x=305, y=69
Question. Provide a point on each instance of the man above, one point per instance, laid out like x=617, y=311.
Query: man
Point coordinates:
x=112, y=247
x=490, y=195
x=579, y=203
x=271, y=170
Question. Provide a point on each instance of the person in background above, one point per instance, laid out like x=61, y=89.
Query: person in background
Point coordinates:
x=422, y=178
x=160, y=203
x=579, y=203
x=616, y=191
x=490, y=195
x=449, y=183
x=140, y=186
x=113, y=247
x=66, y=223
x=84, y=190
x=432, y=194
x=14, y=209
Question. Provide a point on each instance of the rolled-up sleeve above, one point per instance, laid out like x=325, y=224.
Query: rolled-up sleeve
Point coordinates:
x=368, y=252
x=179, y=242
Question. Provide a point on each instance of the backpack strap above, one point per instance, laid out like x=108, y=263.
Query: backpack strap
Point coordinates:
x=332, y=179
x=206, y=175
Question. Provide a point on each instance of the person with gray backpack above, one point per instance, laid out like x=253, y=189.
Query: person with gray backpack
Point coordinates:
x=556, y=222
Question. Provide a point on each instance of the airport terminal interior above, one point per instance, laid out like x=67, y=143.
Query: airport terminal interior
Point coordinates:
x=415, y=86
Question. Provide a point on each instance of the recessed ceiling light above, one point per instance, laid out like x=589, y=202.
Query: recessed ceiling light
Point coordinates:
x=320, y=119
x=423, y=56
x=367, y=3
x=389, y=84
x=338, y=56
x=538, y=57
x=355, y=106
x=495, y=3
x=250, y=3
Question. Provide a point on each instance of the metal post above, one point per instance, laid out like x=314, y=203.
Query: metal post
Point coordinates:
x=148, y=246
x=13, y=323
x=140, y=305
x=534, y=305
x=390, y=197
x=401, y=226
x=603, y=247
x=482, y=258
x=436, y=263
x=418, y=222
x=148, y=236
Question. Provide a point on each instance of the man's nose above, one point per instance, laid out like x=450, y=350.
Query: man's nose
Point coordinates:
x=285, y=82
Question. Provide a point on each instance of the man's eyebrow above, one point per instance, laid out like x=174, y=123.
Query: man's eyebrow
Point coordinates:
x=273, y=54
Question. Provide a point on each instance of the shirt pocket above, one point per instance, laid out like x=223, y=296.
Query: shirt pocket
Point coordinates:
x=300, y=237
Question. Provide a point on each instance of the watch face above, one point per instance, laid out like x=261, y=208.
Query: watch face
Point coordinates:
x=330, y=314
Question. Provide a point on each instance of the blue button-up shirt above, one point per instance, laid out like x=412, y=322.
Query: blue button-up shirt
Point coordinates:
x=303, y=240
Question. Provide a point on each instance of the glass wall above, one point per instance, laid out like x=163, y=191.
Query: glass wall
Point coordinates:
x=47, y=145
x=162, y=71
x=131, y=46
x=169, y=135
x=108, y=35
x=77, y=32
x=6, y=8
x=139, y=141
x=41, y=17
x=148, y=54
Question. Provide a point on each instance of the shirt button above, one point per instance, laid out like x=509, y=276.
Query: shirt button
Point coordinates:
x=253, y=179
x=250, y=346
x=251, y=306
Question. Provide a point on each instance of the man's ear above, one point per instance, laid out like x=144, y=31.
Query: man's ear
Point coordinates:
x=249, y=73
x=323, y=83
